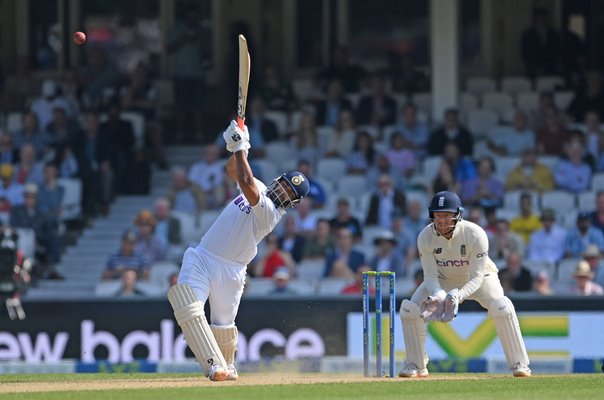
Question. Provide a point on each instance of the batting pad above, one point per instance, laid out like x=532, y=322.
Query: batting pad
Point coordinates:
x=226, y=337
x=508, y=329
x=414, y=333
x=191, y=318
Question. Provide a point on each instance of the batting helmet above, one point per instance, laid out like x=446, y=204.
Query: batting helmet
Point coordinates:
x=445, y=202
x=296, y=181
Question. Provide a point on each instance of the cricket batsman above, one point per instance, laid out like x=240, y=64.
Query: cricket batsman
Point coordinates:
x=216, y=268
x=454, y=257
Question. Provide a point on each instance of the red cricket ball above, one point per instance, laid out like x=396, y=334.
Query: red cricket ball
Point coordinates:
x=79, y=37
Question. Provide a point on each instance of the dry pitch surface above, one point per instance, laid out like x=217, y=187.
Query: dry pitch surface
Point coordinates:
x=191, y=382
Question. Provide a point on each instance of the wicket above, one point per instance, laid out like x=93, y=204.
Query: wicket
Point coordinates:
x=378, y=320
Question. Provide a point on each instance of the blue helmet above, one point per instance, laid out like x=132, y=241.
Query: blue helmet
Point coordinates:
x=296, y=181
x=445, y=202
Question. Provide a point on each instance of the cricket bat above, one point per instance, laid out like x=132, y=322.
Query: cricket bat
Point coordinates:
x=244, y=80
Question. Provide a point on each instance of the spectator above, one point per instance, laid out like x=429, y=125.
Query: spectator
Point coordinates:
x=415, y=132
x=317, y=192
x=476, y=215
x=540, y=46
x=381, y=167
x=343, y=261
x=281, y=278
x=342, y=140
x=579, y=237
x=573, y=175
x=356, y=286
x=99, y=77
x=48, y=243
x=168, y=229
x=463, y=166
x=273, y=258
x=404, y=77
x=320, y=242
x=504, y=242
x=551, y=136
x=11, y=192
x=345, y=219
x=385, y=203
x=262, y=129
x=328, y=111
x=386, y=256
x=444, y=179
x=485, y=190
x=515, y=277
x=363, y=155
x=292, y=242
x=67, y=164
x=406, y=243
x=30, y=133
x=276, y=93
x=126, y=258
x=545, y=244
x=188, y=46
x=305, y=139
x=451, y=131
x=542, y=284
x=401, y=157
x=28, y=169
x=147, y=244
x=546, y=107
x=527, y=222
x=530, y=174
x=48, y=100
x=209, y=175
x=591, y=98
x=340, y=67
x=62, y=130
x=593, y=256
x=594, y=135
x=597, y=216
x=129, y=287
x=377, y=109
x=8, y=152
x=514, y=140
x=584, y=284
x=183, y=195
x=415, y=220
x=418, y=279
x=306, y=220
x=51, y=194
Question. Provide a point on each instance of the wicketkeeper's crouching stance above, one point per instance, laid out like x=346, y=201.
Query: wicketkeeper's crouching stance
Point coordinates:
x=215, y=269
x=454, y=257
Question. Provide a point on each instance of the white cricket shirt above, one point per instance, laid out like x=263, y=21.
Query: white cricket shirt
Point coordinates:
x=462, y=261
x=239, y=228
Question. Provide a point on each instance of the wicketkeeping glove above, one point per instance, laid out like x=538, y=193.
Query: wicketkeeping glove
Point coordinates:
x=236, y=139
x=433, y=307
x=451, y=305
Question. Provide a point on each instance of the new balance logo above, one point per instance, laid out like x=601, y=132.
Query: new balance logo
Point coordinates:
x=438, y=251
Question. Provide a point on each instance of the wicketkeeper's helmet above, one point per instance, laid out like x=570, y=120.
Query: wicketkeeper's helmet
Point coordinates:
x=445, y=202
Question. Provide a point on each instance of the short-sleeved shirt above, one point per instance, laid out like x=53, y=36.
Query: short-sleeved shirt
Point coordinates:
x=239, y=228
x=461, y=261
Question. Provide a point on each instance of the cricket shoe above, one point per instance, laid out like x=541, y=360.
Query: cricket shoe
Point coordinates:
x=232, y=375
x=413, y=371
x=217, y=373
x=521, y=371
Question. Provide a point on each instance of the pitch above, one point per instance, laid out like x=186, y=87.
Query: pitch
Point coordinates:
x=297, y=386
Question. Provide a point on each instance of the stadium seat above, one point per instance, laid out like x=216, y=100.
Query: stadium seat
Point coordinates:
x=278, y=152
x=354, y=98
x=597, y=181
x=423, y=101
x=324, y=134
x=310, y=269
x=13, y=122
x=527, y=101
x=565, y=270
x=511, y=200
x=267, y=169
x=160, y=271
x=497, y=101
x=279, y=118
x=480, y=85
x=138, y=126
x=258, y=286
x=586, y=201
x=72, y=198
x=515, y=84
x=467, y=103
x=563, y=99
x=558, y=200
x=504, y=165
x=190, y=226
x=430, y=166
x=332, y=286
x=331, y=169
x=548, y=83
x=404, y=287
x=481, y=121
x=107, y=288
x=549, y=161
x=304, y=88
x=351, y=184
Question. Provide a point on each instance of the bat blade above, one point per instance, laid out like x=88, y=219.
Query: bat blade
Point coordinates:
x=244, y=80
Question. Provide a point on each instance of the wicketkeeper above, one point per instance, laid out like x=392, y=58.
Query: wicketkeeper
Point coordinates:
x=456, y=264
x=215, y=269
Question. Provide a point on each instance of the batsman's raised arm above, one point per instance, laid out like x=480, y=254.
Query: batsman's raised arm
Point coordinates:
x=239, y=170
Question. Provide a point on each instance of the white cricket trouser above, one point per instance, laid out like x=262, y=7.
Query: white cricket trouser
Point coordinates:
x=214, y=278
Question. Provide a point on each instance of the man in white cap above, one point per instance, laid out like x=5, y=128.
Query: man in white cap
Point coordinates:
x=593, y=256
x=49, y=99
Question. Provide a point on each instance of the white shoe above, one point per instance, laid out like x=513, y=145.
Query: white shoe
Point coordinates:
x=217, y=373
x=232, y=375
x=521, y=371
x=413, y=371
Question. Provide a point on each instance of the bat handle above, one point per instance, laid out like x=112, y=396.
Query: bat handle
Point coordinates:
x=240, y=122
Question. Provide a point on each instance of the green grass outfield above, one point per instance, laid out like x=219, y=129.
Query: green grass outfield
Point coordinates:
x=299, y=386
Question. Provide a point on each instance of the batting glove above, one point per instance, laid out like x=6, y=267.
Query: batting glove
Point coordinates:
x=236, y=139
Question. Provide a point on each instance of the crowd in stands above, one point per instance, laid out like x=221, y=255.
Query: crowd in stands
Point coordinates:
x=374, y=155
